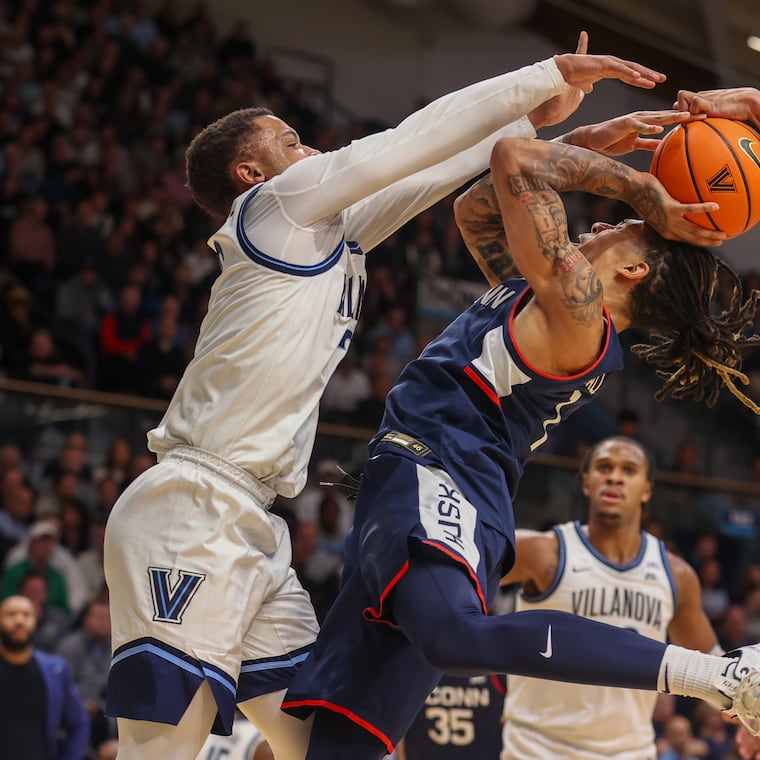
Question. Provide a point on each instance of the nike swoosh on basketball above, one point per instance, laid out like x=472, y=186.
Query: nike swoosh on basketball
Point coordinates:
x=548, y=652
x=747, y=146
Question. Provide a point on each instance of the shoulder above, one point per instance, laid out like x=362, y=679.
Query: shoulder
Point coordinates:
x=53, y=663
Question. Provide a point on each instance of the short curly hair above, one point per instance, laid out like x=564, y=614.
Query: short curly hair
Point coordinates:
x=209, y=155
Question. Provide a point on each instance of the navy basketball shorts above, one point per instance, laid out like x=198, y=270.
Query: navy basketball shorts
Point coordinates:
x=362, y=665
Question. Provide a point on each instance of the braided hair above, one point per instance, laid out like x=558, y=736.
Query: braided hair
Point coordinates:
x=210, y=154
x=699, y=349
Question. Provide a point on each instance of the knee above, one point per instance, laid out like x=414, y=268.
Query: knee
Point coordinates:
x=449, y=648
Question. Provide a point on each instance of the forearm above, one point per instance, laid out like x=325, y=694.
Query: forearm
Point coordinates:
x=373, y=219
x=480, y=224
x=563, y=167
x=324, y=185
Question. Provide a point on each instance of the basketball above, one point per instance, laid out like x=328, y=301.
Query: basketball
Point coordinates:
x=713, y=160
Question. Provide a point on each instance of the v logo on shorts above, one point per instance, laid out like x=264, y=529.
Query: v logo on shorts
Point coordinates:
x=548, y=652
x=171, y=600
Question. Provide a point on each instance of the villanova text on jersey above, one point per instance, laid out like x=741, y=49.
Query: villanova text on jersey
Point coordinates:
x=625, y=604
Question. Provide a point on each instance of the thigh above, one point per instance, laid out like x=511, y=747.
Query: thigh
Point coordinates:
x=287, y=736
x=142, y=740
x=279, y=638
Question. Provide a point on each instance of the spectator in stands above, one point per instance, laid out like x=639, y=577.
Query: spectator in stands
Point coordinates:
x=715, y=597
x=31, y=247
x=325, y=482
x=18, y=509
x=349, y=386
x=61, y=560
x=52, y=624
x=122, y=333
x=90, y=561
x=681, y=743
x=41, y=713
x=16, y=327
x=44, y=362
x=117, y=462
x=75, y=526
x=161, y=361
x=88, y=652
x=42, y=540
x=82, y=302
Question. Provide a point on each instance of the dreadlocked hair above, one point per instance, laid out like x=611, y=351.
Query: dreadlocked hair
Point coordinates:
x=210, y=154
x=699, y=349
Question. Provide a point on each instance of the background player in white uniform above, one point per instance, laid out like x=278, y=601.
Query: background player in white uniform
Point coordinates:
x=608, y=570
x=206, y=612
x=245, y=743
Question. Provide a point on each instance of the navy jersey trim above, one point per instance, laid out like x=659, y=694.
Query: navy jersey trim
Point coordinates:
x=669, y=571
x=461, y=561
x=344, y=711
x=484, y=386
x=278, y=265
x=561, y=378
x=635, y=562
x=557, y=576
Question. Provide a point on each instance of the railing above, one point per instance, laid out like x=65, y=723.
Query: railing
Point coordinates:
x=37, y=417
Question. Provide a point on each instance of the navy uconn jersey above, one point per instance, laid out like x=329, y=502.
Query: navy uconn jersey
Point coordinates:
x=490, y=410
x=460, y=719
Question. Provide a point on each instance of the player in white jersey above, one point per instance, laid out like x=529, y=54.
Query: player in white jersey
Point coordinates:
x=607, y=570
x=206, y=611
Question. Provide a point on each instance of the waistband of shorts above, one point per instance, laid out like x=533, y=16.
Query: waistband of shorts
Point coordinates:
x=263, y=494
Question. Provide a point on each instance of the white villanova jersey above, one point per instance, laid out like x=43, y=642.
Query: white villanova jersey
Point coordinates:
x=284, y=308
x=548, y=719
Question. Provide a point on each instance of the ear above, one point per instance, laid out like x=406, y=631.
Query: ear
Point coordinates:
x=637, y=271
x=647, y=495
x=584, y=484
x=249, y=173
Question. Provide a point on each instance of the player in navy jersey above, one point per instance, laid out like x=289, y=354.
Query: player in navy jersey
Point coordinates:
x=434, y=527
x=608, y=569
x=207, y=612
x=460, y=719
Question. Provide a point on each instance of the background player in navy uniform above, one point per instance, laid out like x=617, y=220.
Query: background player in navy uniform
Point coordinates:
x=434, y=528
x=460, y=719
x=206, y=611
x=610, y=570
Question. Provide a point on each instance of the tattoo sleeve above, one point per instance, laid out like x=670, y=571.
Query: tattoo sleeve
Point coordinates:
x=483, y=232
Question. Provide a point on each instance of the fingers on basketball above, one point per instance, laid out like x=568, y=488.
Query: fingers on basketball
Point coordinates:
x=713, y=160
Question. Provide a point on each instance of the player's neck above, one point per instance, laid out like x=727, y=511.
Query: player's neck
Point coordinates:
x=620, y=545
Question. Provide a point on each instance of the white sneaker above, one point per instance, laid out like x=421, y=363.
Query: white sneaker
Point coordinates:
x=739, y=682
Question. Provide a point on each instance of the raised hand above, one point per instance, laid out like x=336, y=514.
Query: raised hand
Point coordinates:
x=668, y=216
x=742, y=103
x=584, y=71
x=581, y=71
x=623, y=134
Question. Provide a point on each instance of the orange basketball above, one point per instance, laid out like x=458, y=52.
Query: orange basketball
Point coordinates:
x=713, y=160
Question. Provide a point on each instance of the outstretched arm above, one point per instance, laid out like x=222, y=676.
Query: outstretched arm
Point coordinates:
x=477, y=210
x=742, y=103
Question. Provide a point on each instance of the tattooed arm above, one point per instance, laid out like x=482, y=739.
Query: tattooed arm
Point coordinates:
x=564, y=332
x=479, y=220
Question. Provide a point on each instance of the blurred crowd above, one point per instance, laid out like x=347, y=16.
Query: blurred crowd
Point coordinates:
x=104, y=278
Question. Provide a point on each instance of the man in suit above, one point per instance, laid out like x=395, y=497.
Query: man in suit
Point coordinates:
x=41, y=714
